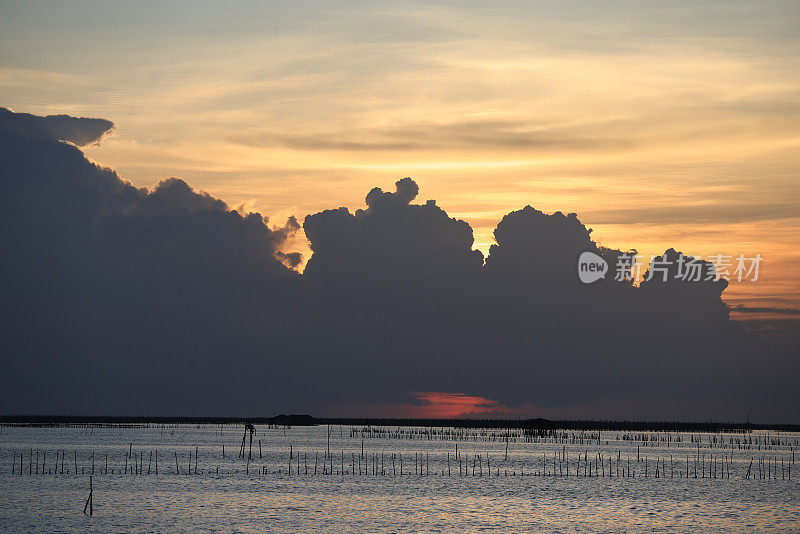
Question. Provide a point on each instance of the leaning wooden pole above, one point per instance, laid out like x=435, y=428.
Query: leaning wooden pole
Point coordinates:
x=89, y=500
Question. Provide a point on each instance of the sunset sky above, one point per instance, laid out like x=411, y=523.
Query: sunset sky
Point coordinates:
x=670, y=124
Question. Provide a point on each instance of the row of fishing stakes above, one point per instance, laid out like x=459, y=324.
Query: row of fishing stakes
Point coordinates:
x=745, y=441
x=560, y=464
x=768, y=469
x=375, y=464
x=59, y=466
x=133, y=464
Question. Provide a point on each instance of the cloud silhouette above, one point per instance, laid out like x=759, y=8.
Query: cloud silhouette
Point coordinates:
x=391, y=243
x=166, y=301
x=118, y=290
x=79, y=131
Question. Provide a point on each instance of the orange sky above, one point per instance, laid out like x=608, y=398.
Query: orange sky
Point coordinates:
x=661, y=126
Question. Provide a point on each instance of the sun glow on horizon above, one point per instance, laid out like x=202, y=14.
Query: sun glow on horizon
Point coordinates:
x=443, y=405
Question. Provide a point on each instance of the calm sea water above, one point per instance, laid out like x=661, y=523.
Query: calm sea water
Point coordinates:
x=555, y=494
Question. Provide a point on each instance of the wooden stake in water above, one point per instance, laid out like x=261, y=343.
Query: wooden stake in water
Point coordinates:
x=89, y=500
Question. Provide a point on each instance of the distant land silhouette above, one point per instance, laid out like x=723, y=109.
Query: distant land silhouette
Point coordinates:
x=308, y=420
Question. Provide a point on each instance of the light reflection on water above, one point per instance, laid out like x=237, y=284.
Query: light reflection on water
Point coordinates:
x=267, y=498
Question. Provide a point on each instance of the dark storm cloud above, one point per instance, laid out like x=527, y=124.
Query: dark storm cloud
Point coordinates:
x=80, y=131
x=124, y=300
x=390, y=244
x=118, y=299
x=173, y=194
x=522, y=328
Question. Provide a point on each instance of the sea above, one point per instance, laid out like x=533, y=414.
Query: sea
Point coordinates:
x=336, y=478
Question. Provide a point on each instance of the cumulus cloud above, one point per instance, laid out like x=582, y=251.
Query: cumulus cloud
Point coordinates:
x=127, y=300
x=533, y=248
x=391, y=243
x=117, y=290
x=174, y=194
x=77, y=130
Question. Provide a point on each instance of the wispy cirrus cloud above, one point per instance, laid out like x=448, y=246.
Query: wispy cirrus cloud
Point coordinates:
x=466, y=135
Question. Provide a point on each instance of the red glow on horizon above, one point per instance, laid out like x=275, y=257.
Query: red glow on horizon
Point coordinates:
x=442, y=405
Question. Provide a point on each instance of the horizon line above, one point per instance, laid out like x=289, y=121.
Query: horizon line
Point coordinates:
x=310, y=420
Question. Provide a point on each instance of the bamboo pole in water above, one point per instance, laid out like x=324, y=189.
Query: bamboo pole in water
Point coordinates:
x=89, y=500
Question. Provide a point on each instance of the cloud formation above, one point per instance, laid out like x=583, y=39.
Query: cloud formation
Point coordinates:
x=77, y=130
x=127, y=300
x=454, y=136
